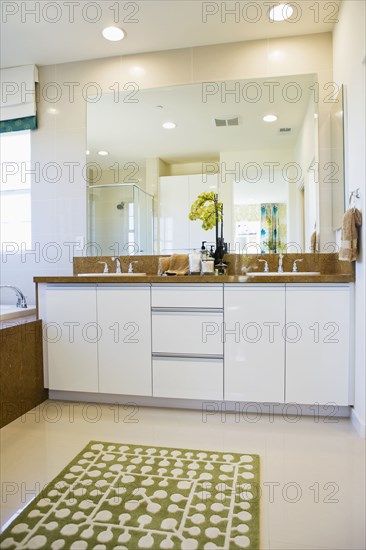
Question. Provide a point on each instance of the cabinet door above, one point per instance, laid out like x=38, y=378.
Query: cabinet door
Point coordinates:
x=254, y=347
x=200, y=183
x=177, y=194
x=173, y=215
x=124, y=350
x=71, y=335
x=317, y=344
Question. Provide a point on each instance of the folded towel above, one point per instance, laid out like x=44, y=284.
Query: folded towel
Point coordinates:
x=163, y=265
x=352, y=220
x=179, y=264
x=313, y=242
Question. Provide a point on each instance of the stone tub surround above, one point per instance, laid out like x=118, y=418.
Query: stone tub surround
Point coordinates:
x=330, y=268
x=21, y=368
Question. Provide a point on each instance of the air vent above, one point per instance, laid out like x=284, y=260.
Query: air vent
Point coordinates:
x=285, y=131
x=232, y=121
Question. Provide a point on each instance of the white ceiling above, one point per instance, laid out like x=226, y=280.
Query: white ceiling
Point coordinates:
x=56, y=34
x=134, y=131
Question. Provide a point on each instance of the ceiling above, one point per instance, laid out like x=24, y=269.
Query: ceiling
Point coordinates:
x=59, y=32
x=134, y=131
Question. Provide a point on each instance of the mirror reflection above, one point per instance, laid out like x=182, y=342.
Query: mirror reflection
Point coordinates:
x=264, y=169
x=337, y=155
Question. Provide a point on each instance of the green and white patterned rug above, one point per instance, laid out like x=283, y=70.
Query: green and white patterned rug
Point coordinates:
x=119, y=496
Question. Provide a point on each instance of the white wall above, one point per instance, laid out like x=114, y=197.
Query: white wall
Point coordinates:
x=349, y=69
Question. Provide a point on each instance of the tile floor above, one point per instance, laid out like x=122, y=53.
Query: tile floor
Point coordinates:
x=312, y=472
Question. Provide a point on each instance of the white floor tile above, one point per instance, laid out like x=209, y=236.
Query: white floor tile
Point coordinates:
x=312, y=473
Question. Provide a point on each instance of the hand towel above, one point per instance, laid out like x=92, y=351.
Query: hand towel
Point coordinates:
x=179, y=264
x=352, y=220
x=163, y=265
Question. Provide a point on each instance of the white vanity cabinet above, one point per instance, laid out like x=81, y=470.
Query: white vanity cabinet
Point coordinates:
x=257, y=342
x=318, y=321
x=71, y=334
x=186, y=341
x=254, y=348
x=177, y=193
x=124, y=349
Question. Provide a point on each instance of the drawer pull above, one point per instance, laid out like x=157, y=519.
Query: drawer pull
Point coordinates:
x=185, y=356
x=186, y=310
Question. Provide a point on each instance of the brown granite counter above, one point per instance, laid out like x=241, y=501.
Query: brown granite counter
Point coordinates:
x=323, y=278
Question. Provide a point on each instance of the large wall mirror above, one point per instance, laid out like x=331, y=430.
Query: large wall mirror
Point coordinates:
x=266, y=172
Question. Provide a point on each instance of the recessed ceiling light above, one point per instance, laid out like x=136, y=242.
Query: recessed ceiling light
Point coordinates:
x=169, y=125
x=87, y=152
x=281, y=12
x=113, y=34
x=270, y=118
x=103, y=153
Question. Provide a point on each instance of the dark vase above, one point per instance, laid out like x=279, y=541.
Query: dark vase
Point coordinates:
x=220, y=244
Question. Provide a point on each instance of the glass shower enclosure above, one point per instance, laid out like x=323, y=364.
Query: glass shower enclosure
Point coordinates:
x=120, y=220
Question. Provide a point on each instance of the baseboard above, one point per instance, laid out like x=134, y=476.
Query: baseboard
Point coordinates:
x=290, y=411
x=358, y=424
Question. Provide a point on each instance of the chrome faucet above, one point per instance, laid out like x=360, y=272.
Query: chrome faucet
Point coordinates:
x=266, y=268
x=105, y=270
x=118, y=264
x=21, y=301
x=280, y=263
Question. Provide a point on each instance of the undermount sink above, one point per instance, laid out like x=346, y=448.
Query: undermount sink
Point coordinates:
x=111, y=274
x=284, y=274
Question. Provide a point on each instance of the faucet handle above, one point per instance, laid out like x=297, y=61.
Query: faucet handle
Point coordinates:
x=131, y=264
x=266, y=268
x=294, y=265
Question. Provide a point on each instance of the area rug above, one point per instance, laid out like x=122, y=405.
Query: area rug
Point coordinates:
x=120, y=496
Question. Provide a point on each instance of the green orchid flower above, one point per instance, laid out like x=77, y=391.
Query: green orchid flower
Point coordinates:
x=204, y=208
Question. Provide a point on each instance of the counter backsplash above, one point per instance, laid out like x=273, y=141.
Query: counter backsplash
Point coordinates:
x=325, y=263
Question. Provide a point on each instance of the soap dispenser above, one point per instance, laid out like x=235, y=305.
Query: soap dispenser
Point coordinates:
x=203, y=251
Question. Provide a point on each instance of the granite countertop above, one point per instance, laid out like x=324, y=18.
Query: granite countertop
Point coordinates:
x=16, y=321
x=149, y=278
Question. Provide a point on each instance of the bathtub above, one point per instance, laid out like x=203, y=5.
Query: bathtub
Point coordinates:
x=13, y=312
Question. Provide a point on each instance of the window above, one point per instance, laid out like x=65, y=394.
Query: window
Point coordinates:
x=15, y=189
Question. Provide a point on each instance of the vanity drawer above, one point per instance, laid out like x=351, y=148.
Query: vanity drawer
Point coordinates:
x=187, y=295
x=188, y=378
x=189, y=332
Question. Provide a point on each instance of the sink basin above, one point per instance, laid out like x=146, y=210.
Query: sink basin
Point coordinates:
x=285, y=274
x=111, y=274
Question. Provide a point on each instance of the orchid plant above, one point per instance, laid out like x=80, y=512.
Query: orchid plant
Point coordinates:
x=210, y=211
